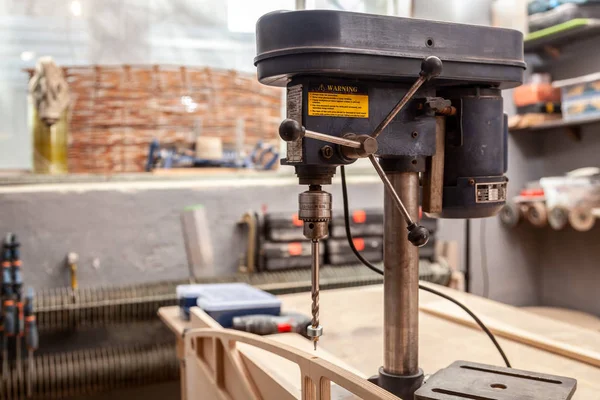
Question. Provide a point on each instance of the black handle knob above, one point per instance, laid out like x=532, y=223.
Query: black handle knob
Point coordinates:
x=431, y=67
x=291, y=130
x=418, y=235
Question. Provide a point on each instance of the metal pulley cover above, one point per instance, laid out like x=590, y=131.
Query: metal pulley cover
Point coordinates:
x=356, y=45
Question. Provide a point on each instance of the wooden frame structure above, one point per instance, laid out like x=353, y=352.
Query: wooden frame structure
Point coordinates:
x=224, y=364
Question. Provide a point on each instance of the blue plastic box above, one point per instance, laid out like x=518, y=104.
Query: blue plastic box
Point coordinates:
x=187, y=295
x=224, y=301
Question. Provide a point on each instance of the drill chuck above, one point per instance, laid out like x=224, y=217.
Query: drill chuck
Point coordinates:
x=315, y=212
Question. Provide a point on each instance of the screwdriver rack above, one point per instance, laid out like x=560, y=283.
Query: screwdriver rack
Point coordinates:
x=18, y=322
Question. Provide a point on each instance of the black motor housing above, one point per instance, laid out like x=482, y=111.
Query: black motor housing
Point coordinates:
x=475, y=154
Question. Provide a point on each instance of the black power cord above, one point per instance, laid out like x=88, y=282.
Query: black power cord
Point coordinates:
x=422, y=287
x=484, y=265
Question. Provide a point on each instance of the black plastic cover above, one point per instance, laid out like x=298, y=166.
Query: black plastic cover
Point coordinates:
x=365, y=46
x=278, y=256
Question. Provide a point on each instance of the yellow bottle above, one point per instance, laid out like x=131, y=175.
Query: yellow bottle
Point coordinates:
x=50, y=145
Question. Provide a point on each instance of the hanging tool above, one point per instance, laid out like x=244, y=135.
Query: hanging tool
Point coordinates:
x=17, y=280
x=262, y=324
x=7, y=302
x=72, y=259
x=31, y=336
x=8, y=308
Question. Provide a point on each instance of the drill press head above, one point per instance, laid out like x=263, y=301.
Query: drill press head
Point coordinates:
x=344, y=72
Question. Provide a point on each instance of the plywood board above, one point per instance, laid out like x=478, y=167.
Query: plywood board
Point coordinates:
x=353, y=319
x=522, y=326
x=579, y=318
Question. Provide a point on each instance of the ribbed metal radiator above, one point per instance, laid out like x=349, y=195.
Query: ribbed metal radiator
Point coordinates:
x=63, y=309
x=104, y=338
x=83, y=372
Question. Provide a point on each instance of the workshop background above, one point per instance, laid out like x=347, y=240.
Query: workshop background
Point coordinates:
x=163, y=134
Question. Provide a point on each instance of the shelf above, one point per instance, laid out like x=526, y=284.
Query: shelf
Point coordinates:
x=561, y=34
x=560, y=124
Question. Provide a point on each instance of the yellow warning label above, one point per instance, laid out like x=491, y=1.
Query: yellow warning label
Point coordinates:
x=329, y=104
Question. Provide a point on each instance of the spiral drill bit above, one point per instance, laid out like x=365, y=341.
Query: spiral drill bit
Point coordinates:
x=315, y=212
x=315, y=327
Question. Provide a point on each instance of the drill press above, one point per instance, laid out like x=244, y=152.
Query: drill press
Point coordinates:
x=421, y=100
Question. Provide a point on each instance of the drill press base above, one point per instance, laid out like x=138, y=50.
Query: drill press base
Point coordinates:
x=469, y=380
x=403, y=386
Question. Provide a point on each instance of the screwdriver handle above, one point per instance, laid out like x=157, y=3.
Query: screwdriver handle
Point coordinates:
x=7, y=289
x=20, y=319
x=9, y=318
x=31, y=333
x=6, y=248
x=28, y=307
x=16, y=254
x=6, y=275
x=17, y=275
x=17, y=281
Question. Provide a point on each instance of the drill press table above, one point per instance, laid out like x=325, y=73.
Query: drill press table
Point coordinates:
x=354, y=335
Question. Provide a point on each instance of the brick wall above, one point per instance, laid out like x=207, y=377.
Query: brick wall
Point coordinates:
x=117, y=111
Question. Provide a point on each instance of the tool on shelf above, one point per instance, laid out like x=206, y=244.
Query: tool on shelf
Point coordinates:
x=559, y=201
x=263, y=156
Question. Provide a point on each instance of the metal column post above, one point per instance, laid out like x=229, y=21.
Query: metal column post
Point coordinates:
x=401, y=280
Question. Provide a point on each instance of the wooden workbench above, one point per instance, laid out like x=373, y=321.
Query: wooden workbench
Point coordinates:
x=352, y=319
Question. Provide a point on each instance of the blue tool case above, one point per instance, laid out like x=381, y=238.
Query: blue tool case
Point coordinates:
x=224, y=301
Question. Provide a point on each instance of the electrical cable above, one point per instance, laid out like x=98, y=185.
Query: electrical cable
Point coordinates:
x=422, y=287
x=484, y=267
x=467, y=250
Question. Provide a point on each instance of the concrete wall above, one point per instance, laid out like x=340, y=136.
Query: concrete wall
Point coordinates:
x=130, y=232
x=569, y=266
